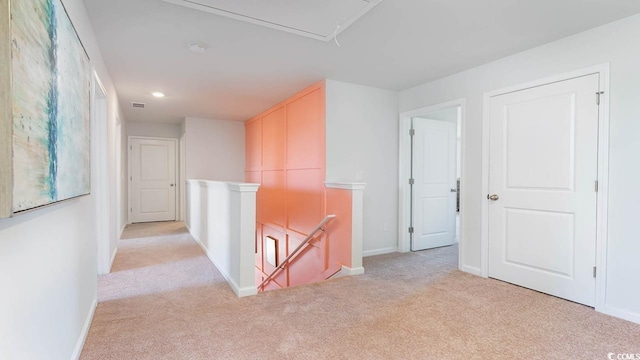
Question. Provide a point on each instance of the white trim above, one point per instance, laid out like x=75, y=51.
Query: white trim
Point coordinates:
x=100, y=169
x=240, y=292
x=603, y=71
x=347, y=271
x=113, y=258
x=344, y=185
x=129, y=176
x=182, y=144
x=602, y=221
x=619, y=313
x=471, y=270
x=85, y=331
x=382, y=251
x=404, y=243
x=243, y=187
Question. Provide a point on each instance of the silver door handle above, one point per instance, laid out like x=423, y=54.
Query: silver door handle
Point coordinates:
x=171, y=184
x=493, y=197
x=454, y=190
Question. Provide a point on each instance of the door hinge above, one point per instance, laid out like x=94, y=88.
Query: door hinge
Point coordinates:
x=412, y=181
x=598, y=94
x=410, y=229
x=595, y=270
x=130, y=147
x=596, y=186
x=412, y=132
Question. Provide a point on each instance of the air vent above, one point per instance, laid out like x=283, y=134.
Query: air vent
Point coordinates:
x=138, y=105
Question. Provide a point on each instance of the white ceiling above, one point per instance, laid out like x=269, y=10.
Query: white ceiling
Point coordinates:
x=320, y=20
x=248, y=68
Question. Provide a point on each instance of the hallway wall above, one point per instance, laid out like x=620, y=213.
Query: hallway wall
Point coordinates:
x=48, y=267
x=214, y=149
x=362, y=146
x=285, y=150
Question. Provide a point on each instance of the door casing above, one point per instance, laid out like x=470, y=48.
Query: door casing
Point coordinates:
x=178, y=181
x=603, y=170
x=404, y=173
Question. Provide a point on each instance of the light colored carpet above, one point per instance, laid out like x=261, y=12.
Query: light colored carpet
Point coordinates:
x=165, y=300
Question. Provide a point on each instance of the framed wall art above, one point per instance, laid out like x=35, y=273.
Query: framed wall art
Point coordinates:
x=45, y=111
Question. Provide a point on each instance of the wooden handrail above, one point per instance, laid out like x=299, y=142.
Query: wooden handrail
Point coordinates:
x=297, y=250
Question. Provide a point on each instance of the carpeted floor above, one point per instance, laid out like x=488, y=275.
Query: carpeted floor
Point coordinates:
x=165, y=300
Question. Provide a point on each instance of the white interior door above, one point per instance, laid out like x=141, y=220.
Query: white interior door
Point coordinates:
x=153, y=180
x=434, y=189
x=543, y=168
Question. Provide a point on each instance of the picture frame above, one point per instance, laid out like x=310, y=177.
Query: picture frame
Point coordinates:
x=45, y=107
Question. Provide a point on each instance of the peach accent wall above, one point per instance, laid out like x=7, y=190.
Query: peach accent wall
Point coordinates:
x=285, y=150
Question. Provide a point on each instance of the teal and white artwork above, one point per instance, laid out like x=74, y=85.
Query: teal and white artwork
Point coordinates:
x=51, y=106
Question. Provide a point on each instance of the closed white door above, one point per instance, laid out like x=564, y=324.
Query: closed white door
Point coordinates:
x=434, y=190
x=153, y=180
x=543, y=172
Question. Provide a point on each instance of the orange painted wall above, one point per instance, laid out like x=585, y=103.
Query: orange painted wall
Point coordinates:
x=285, y=150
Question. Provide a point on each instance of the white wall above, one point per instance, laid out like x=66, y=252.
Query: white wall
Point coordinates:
x=48, y=256
x=214, y=149
x=617, y=44
x=221, y=217
x=137, y=128
x=362, y=146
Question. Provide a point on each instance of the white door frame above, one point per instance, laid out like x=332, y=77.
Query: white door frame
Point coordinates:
x=603, y=170
x=129, y=172
x=100, y=169
x=404, y=199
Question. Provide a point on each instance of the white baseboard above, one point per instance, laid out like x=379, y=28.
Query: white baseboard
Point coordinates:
x=240, y=292
x=351, y=271
x=113, y=257
x=382, y=251
x=471, y=270
x=622, y=314
x=85, y=331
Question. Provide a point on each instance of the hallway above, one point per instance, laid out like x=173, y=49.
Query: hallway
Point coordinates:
x=165, y=300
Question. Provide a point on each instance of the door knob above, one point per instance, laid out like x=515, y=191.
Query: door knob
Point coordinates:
x=171, y=184
x=493, y=197
x=454, y=190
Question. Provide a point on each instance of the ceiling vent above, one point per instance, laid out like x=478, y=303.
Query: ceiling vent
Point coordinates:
x=321, y=20
x=138, y=105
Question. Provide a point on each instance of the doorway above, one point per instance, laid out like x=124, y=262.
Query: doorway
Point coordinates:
x=431, y=211
x=152, y=179
x=434, y=179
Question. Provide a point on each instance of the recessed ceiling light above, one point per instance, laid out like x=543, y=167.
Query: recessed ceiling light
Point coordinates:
x=197, y=47
x=158, y=94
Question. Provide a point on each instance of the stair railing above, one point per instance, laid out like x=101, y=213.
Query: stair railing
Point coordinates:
x=295, y=252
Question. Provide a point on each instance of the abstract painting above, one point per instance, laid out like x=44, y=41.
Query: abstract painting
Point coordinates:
x=50, y=106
